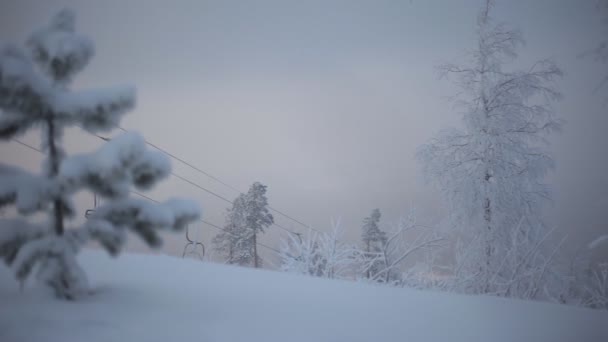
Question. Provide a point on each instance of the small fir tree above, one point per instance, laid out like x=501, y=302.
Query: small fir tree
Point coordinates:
x=35, y=92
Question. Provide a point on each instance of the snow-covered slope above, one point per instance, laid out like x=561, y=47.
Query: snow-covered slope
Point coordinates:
x=160, y=298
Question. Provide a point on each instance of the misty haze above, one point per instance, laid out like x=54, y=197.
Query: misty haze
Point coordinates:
x=304, y=170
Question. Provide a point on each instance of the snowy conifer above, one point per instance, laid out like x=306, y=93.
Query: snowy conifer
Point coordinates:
x=258, y=218
x=374, y=240
x=247, y=218
x=35, y=92
x=228, y=242
x=491, y=171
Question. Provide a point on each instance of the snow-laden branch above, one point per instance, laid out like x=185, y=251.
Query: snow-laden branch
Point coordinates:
x=58, y=49
x=145, y=218
x=23, y=93
x=28, y=192
x=115, y=167
x=15, y=233
x=28, y=98
x=95, y=110
x=58, y=268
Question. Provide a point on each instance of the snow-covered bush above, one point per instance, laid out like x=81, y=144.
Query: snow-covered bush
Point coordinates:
x=34, y=92
x=320, y=254
x=301, y=254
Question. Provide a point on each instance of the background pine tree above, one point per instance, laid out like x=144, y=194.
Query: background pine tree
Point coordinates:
x=248, y=217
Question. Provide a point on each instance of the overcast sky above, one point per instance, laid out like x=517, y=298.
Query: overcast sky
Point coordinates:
x=325, y=102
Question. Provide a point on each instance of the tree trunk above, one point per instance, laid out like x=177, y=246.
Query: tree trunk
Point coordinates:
x=255, y=251
x=368, y=273
x=487, y=215
x=230, y=252
x=230, y=238
x=54, y=168
x=488, y=219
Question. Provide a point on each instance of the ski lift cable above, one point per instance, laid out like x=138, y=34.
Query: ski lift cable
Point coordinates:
x=297, y=234
x=184, y=179
x=217, y=179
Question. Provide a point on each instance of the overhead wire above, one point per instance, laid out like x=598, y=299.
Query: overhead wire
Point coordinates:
x=298, y=234
x=216, y=179
x=27, y=145
x=200, y=187
x=150, y=198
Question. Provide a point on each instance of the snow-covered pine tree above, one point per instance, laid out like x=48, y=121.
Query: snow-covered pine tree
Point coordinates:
x=247, y=218
x=373, y=241
x=258, y=218
x=228, y=242
x=491, y=171
x=35, y=92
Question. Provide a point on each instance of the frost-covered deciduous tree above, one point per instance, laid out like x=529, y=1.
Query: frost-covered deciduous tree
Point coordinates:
x=322, y=255
x=373, y=240
x=35, y=92
x=491, y=170
x=248, y=217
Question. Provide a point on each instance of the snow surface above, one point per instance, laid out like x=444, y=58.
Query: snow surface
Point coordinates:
x=161, y=298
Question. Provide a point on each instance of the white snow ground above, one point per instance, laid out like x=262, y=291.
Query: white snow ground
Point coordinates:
x=161, y=298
